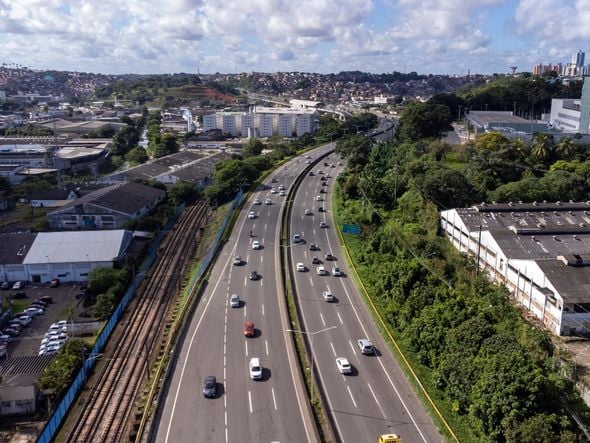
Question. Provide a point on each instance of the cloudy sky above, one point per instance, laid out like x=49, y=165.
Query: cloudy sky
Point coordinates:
x=159, y=36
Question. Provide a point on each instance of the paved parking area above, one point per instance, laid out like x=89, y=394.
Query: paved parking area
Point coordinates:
x=64, y=303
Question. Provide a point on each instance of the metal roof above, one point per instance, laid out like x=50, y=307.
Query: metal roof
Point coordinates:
x=15, y=247
x=78, y=246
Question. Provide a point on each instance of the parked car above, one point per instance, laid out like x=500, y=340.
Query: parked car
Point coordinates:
x=48, y=298
x=19, y=295
x=12, y=332
x=5, y=338
x=210, y=386
x=18, y=285
x=24, y=320
x=35, y=311
x=54, y=283
x=5, y=286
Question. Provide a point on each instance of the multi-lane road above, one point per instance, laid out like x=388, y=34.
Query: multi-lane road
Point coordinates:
x=376, y=398
x=275, y=408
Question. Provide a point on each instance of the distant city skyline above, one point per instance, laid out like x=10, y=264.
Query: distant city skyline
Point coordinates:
x=160, y=36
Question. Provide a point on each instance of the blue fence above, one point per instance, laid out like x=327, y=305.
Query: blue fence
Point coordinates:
x=54, y=423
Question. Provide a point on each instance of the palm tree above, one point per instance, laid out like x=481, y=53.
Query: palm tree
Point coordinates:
x=565, y=148
x=542, y=146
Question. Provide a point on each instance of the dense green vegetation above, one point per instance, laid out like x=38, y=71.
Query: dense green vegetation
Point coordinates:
x=496, y=377
x=105, y=287
x=160, y=144
x=26, y=131
x=59, y=373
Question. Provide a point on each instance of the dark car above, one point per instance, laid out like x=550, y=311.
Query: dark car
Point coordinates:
x=254, y=275
x=11, y=332
x=5, y=286
x=19, y=295
x=210, y=386
x=315, y=260
x=321, y=209
x=46, y=299
x=313, y=247
x=15, y=325
x=329, y=256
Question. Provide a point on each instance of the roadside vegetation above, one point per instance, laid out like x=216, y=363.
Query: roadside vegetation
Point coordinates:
x=495, y=377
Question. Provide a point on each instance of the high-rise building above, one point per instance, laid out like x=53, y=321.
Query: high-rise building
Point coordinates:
x=578, y=58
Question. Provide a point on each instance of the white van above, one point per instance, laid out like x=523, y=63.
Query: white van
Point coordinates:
x=255, y=368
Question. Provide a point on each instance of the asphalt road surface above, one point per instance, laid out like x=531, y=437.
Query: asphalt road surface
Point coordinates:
x=376, y=398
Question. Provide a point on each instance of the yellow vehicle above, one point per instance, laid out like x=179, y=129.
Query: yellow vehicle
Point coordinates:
x=389, y=438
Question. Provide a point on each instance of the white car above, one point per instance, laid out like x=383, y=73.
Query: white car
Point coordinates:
x=6, y=338
x=34, y=311
x=273, y=190
x=255, y=244
x=336, y=272
x=257, y=202
x=268, y=201
x=281, y=188
x=343, y=365
x=327, y=296
x=282, y=194
x=24, y=320
x=319, y=198
x=251, y=214
x=234, y=301
x=18, y=285
x=237, y=260
x=255, y=369
x=296, y=238
x=321, y=270
x=300, y=267
x=308, y=212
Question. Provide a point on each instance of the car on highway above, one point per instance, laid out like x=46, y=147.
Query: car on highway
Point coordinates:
x=248, y=329
x=234, y=301
x=273, y=190
x=365, y=346
x=320, y=172
x=328, y=296
x=308, y=212
x=323, y=225
x=273, y=180
x=253, y=275
x=251, y=214
x=321, y=270
x=255, y=368
x=209, y=386
x=322, y=178
x=336, y=272
x=268, y=201
x=237, y=260
x=315, y=260
x=281, y=188
x=323, y=191
x=321, y=209
x=311, y=174
x=255, y=244
x=343, y=365
x=329, y=256
x=389, y=438
x=282, y=194
x=300, y=267
x=257, y=202
x=324, y=183
x=296, y=238
x=314, y=247
x=18, y=285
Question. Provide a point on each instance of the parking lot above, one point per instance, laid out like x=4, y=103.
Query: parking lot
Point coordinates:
x=64, y=303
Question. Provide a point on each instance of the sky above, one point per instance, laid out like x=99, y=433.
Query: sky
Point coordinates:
x=232, y=36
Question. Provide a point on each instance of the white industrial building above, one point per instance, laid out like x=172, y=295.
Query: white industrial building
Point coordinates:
x=69, y=256
x=264, y=122
x=572, y=115
x=540, y=251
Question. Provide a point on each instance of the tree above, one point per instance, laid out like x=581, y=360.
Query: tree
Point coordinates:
x=565, y=148
x=491, y=141
x=137, y=156
x=424, y=120
x=452, y=101
x=253, y=147
x=167, y=146
x=542, y=147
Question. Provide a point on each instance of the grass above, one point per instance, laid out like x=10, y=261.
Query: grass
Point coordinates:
x=453, y=161
x=458, y=424
x=25, y=216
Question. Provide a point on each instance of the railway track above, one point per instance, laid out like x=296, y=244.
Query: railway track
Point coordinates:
x=105, y=414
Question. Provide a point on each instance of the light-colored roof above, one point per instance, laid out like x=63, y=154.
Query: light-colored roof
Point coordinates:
x=78, y=246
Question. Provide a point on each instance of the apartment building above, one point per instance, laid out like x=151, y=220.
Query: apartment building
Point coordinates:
x=540, y=251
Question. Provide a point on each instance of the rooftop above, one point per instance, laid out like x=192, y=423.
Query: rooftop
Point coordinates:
x=485, y=118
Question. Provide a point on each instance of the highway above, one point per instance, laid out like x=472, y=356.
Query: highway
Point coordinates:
x=376, y=398
x=269, y=410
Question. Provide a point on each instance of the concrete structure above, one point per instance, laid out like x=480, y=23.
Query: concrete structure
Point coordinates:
x=572, y=115
x=84, y=127
x=52, y=198
x=265, y=122
x=540, y=251
x=19, y=393
x=69, y=256
x=108, y=208
x=503, y=121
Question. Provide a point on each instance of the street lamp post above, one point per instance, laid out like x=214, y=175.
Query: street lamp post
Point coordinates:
x=311, y=334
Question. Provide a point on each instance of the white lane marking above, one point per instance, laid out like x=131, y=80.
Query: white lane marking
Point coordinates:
x=262, y=306
x=376, y=401
x=261, y=259
x=322, y=318
x=302, y=234
x=333, y=350
x=226, y=431
x=266, y=346
x=246, y=345
x=261, y=282
x=352, y=347
x=274, y=400
x=351, y=397
x=245, y=281
x=250, y=400
x=314, y=232
x=311, y=280
x=339, y=318
x=247, y=257
x=265, y=227
x=245, y=309
x=305, y=254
